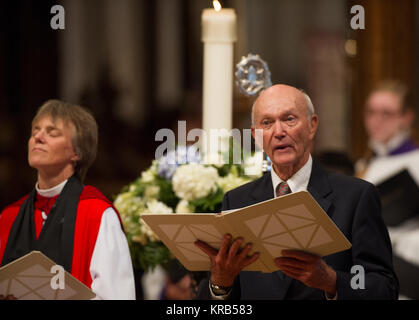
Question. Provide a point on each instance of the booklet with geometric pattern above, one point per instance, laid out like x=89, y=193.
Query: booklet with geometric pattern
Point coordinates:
x=293, y=221
x=36, y=277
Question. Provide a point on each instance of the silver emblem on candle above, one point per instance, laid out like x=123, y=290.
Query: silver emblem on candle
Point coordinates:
x=252, y=75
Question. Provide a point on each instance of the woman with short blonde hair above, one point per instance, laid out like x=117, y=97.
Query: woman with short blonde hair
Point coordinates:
x=70, y=223
x=85, y=136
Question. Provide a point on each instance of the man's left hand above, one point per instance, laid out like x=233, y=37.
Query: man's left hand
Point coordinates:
x=310, y=269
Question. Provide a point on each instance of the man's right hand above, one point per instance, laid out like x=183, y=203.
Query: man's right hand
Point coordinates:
x=228, y=261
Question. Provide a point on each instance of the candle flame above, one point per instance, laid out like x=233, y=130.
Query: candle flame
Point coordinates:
x=217, y=5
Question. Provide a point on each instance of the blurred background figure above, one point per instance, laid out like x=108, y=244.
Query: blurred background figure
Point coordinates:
x=171, y=283
x=388, y=118
x=391, y=162
x=178, y=283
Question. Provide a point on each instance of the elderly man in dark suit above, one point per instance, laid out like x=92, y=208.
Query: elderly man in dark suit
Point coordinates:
x=286, y=116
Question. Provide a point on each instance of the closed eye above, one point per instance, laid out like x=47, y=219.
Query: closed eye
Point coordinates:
x=54, y=133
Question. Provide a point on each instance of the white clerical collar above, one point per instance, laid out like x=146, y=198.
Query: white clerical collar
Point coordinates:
x=52, y=192
x=383, y=149
x=299, y=181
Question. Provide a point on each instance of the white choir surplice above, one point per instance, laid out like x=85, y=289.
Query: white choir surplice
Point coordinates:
x=404, y=237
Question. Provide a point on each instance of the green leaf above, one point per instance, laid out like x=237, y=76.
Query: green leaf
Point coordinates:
x=149, y=256
x=211, y=203
x=167, y=194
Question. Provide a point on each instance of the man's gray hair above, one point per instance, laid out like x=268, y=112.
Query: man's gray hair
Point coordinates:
x=309, y=105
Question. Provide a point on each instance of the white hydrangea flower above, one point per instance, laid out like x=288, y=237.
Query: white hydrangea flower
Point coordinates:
x=151, y=192
x=147, y=176
x=155, y=207
x=184, y=207
x=194, y=181
x=130, y=208
x=119, y=201
x=150, y=174
x=253, y=165
x=127, y=203
x=231, y=181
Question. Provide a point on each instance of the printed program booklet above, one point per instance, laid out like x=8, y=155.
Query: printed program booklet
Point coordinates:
x=294, y=221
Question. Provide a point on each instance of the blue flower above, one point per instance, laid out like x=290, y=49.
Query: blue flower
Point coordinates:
x=269, y=164
x=168, y=164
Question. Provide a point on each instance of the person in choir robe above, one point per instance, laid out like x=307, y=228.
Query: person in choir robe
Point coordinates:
x=74, y=225
x=288, y=123
x=388, y=119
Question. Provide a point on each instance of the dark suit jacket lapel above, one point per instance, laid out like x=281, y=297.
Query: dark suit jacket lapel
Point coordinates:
x=319, y=186
x=264, y=189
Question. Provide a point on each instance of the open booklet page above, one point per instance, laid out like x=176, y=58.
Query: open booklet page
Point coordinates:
x=294, y=221
x=36, y=277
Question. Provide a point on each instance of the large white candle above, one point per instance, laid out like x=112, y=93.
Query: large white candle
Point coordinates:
x=219, y=32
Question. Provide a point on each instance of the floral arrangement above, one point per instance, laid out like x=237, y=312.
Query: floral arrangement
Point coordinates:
x=178, y=182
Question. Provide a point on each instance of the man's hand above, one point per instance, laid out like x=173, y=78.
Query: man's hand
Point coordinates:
x=310, y=269
x=228, y=261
